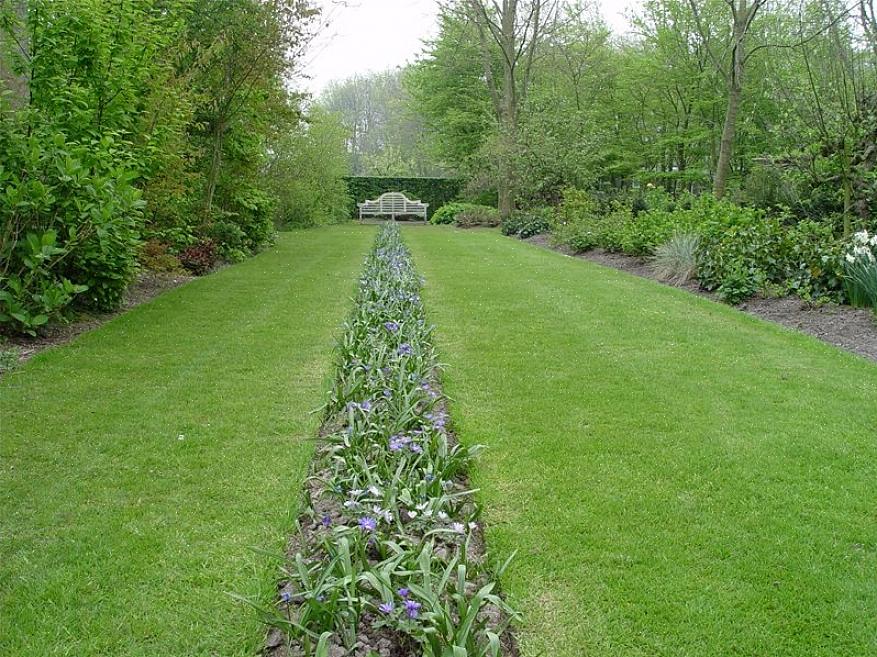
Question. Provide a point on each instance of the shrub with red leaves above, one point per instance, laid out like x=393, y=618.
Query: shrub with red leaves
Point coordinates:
x=199, y=258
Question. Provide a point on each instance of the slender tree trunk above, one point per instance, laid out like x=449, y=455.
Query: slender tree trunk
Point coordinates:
x=847, y=174
x=506, y=186
x=726, y=146
x=743, y=13
x=215, y=164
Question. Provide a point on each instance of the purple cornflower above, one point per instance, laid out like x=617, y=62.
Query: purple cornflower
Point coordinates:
x=403, y=593
x=405, y=349
x=387, y=607
x=326, y=521
x=392, y=327
x=388, y=393
x=286, y=597
x=366, y=406
x=417, y=449
x=368, y=524
x=412, y=608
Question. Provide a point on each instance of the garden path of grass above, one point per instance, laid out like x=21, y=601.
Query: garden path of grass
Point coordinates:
x=680, y=479
x=117, y=536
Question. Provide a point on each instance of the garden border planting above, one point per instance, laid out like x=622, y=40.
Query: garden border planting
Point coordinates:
x=845, y=327
x=389, y=555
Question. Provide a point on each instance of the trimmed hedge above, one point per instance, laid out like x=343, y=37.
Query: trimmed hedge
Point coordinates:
x=435, y=191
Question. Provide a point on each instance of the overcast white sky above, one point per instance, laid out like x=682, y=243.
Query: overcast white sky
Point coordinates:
x=375, y=35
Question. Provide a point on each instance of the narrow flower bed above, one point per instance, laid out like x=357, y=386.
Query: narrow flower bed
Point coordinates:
x=389, y=559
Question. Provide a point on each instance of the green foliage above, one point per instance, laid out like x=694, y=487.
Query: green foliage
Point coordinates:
x=466, y=215
x=127, y=121
x=447, y=213
x=527, y=223
x=815, y=264
x=473, y=216
x=34, y=294
x=741, y=251
x=577, y=221
x=435, y=191
x=72, y=219
x=307, y=170
x=157, y=256
x=448, y=92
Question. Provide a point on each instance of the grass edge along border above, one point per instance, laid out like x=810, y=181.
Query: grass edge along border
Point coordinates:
x=389, y=557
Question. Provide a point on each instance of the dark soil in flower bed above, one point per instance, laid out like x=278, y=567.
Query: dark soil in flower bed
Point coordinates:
x=853, y=329
x=147, y=286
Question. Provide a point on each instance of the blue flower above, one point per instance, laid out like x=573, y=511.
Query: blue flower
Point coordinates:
x=405, y=349
x=403, y=593
x=326, y=521
x=368, y=524
x=412, y=608
x=392, y=327
x=286, y=597
x=387, y=607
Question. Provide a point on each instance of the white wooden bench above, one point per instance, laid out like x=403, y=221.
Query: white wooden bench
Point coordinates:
x=393, y=204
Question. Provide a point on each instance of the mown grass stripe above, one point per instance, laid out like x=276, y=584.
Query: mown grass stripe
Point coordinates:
x=679, y=478
x=116, y=536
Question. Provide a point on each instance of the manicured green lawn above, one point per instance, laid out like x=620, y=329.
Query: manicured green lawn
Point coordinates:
x=680, y=479
x=140, y=464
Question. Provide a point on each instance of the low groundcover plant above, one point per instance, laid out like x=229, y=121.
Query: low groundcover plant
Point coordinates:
x=387, y=560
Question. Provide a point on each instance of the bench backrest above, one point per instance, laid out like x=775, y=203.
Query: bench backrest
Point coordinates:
x=393, y=203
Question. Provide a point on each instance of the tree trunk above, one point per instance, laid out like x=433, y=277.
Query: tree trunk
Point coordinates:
x=847, y=174
x=215, y=164
x=726, y=146
x=505, y=185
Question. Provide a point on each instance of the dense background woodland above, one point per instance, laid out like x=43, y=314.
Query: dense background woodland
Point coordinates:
x=736, y=139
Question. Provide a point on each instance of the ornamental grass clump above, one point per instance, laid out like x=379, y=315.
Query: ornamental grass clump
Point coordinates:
x=860, y=266
x=387, y=560
x=676, y=261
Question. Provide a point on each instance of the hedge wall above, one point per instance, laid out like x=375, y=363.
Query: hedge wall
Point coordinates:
x=435, y=191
